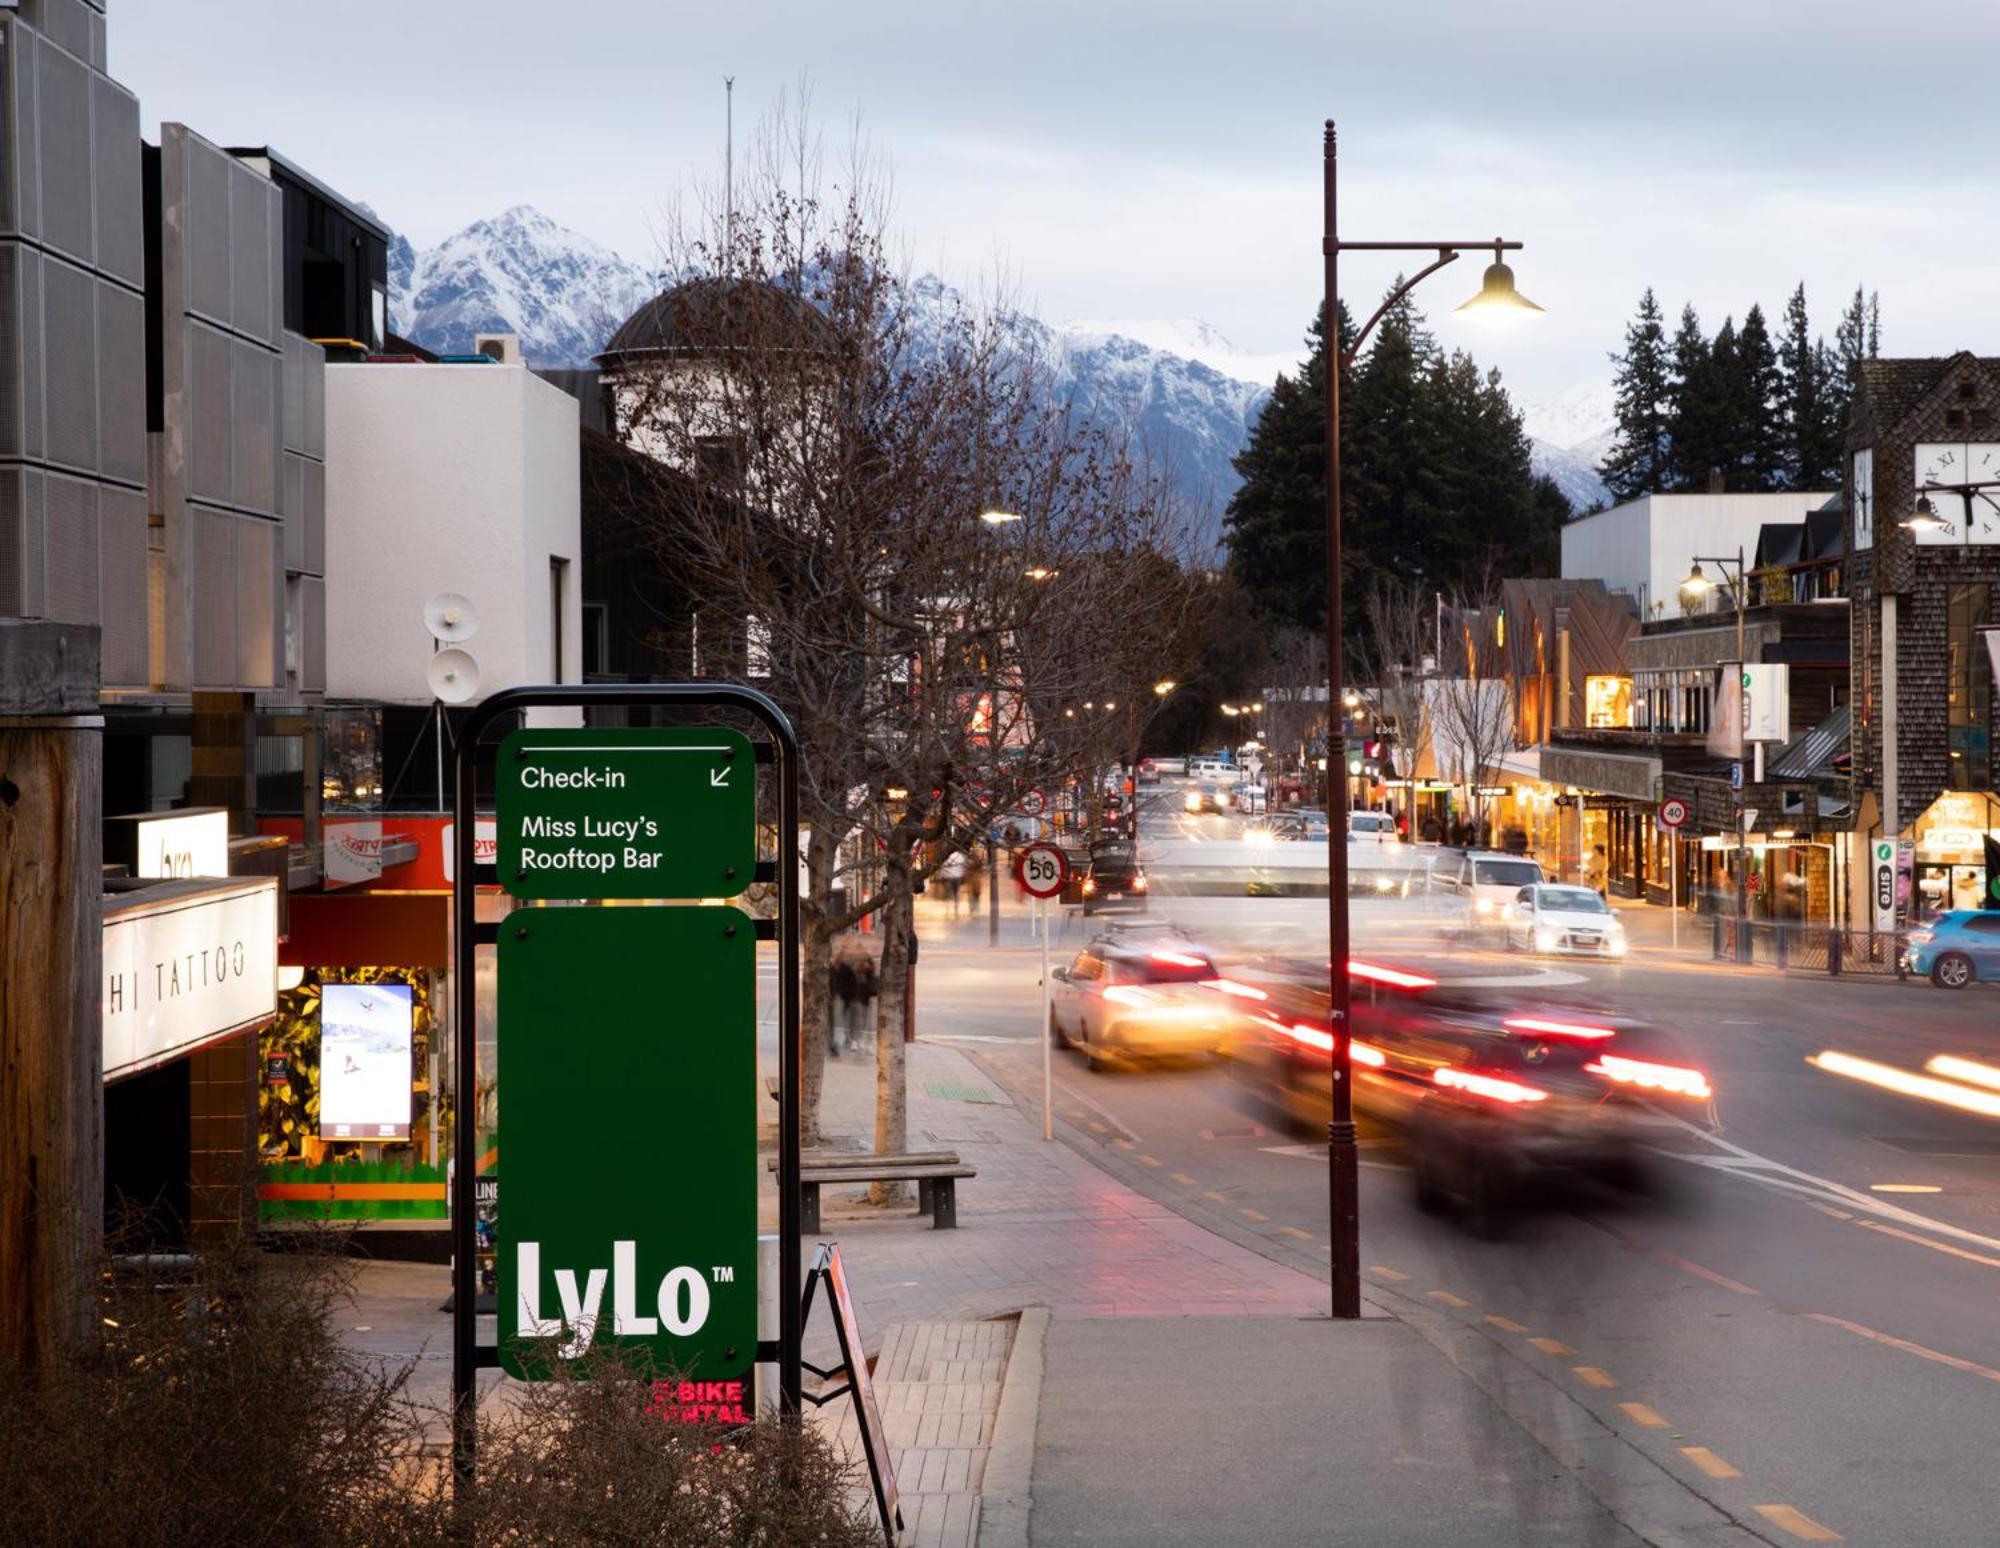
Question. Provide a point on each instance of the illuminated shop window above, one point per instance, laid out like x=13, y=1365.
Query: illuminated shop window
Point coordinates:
x=1607, y=702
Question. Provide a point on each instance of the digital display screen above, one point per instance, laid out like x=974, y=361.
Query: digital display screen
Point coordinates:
x=364, y=1061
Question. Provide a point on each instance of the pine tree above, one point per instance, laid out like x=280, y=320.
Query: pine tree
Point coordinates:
x=1851, y=338
x=1874, y=324
x=1691, y=441
x=1638, y=462
x=1812, y=433
x=1757, y=460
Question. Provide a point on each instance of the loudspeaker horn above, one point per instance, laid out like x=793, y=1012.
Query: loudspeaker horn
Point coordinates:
x=453, y=676
x=451, y=618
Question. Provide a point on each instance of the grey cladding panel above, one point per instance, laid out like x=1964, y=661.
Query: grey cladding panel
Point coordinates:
x=258, y=598
x=20, y=351
x=254, y=214
x=312, y=635
x=315, y=523
x=205, y=228
x=22, y=590
x=121, y=241
x=123, y=551
x=63, y=93
x=66, y=23
x=315, y=441
x=293, y=508
x=212, y=602
x=207, y=431
x=75, y=594
x=295, y=392
x=121, y=386
x=69, y=303
x=17, y=130
x=254, y=424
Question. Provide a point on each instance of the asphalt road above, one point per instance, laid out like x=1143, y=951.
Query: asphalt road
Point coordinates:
x=1798, y=1332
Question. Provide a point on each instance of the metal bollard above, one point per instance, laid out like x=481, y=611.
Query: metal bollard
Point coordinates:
x=765, y=1376
x=1834, y=939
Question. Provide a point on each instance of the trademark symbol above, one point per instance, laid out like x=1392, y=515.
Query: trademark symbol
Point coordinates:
x=723, y=1275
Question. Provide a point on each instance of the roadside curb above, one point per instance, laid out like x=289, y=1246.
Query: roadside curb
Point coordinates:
x=1005, y=1495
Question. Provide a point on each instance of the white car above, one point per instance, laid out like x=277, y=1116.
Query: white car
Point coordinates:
x=1563, y=919
x=1485, y=882
x=1371, y=828
x=1249, y=798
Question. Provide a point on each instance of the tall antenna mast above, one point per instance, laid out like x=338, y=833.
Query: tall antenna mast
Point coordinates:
x=728, y=172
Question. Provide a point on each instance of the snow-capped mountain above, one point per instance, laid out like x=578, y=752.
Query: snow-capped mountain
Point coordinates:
x=517, y=273
x=1569, y=436
x=1186, y=392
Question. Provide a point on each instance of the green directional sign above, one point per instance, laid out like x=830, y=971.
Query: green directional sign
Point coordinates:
x=627, y=813
x=630, y=1218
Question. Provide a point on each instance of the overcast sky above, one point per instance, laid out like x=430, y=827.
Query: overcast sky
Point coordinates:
x=1160, y=158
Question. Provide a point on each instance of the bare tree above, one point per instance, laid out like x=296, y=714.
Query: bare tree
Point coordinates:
x=1399, y=657
x=1471, y=701
x=833, y=434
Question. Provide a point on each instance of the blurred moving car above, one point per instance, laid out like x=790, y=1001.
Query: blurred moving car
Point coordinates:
x=1287, y=828
x=1136, y=993
x=1563, y=919
x=1115, y=878
x=1249, y=797
x=1372, y=828
x=1958, y=948
x=1485, y=881
x=1205, y=798
x=1491, y=1090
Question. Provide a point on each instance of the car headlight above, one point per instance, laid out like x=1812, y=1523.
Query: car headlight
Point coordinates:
x=1482, y=906
x=1385, y=884
x=1545, y=936
x=1139, y=883
x=1193, y=803
x=1615, y=943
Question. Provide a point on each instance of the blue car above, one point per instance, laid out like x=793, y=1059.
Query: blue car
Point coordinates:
x=1958, y=948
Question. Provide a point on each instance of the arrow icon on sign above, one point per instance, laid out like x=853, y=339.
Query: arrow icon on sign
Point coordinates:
x=718, y=779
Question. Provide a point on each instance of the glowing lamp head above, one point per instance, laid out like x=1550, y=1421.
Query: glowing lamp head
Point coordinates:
x=1497, y=296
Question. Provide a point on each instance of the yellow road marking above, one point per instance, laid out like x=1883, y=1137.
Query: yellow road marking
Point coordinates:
x=1970, y=1367
x=1640, y=1414
x=1149, y=1160
x=1828, y=1209
x=1220, y=1198
x=1100, y=1127
x=1710, y=1463
x=1123, y=1143
x=1799, y=1524
x=1925, y=1241
x=1182, y=1178
x=1386, y=1272
x=1254, y=1214
x=1591, y=1376
x=1505, y=1324
x=1904, y=1188
x=1304, y=1236
x=1448, y=1298
x=1551, y=1346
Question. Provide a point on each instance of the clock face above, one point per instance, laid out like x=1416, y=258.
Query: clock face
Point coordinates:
x=1864, y=498
x=1941, y=462
x=1982, y=461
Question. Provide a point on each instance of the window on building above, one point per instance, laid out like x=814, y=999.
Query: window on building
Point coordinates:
x=756, y=647
x=720, y=458
x=596, y=639
x=558, y=606
x=1968, y=688
x=1607, y=702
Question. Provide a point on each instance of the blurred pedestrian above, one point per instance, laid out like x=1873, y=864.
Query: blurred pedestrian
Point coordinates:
x=975, y=882
x=840, y=1006
x=951, y=875
x=1597, y=869
x=867, y=987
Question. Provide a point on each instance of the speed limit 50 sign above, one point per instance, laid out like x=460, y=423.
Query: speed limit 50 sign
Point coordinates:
x=1041, y=869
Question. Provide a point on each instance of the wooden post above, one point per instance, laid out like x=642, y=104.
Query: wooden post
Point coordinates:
x=51, y=971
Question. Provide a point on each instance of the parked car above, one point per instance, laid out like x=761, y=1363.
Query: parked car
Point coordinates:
x=1958, y=949
x=1249, y=798
x=1563, y=919
x=1137, y=993
x=1115, y=878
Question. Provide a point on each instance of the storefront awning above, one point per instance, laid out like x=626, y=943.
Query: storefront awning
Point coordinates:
x=1602, y=773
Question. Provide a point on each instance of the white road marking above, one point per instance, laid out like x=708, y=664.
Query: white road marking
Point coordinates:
x=1739, y=1162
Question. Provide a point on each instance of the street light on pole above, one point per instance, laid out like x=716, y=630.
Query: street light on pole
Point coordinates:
x=996, y=519
x=1496, y=294
x=1695, y=586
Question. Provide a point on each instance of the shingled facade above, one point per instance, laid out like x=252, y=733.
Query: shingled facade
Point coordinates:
x=1903, y=591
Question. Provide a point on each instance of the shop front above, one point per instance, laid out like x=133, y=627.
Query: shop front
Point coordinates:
x=1951, y=852
x=353, y=1117
x=190, y=979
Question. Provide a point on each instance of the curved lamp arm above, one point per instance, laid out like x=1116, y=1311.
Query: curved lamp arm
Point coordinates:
x=1445, y=255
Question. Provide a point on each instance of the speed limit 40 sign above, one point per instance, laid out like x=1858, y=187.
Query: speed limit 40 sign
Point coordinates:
x=1673, y=812
x=1041, y=869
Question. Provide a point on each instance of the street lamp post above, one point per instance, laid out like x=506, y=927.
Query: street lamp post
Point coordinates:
x=1698, y=585
x=1497, y=293
x=994, y=519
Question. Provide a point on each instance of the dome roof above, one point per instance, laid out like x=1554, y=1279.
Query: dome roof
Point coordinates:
x=707, y=316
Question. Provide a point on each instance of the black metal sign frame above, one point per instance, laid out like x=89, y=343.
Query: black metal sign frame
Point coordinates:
x=468, y=1356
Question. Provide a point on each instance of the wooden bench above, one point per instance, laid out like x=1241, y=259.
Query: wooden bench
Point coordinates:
x=935, y=1172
